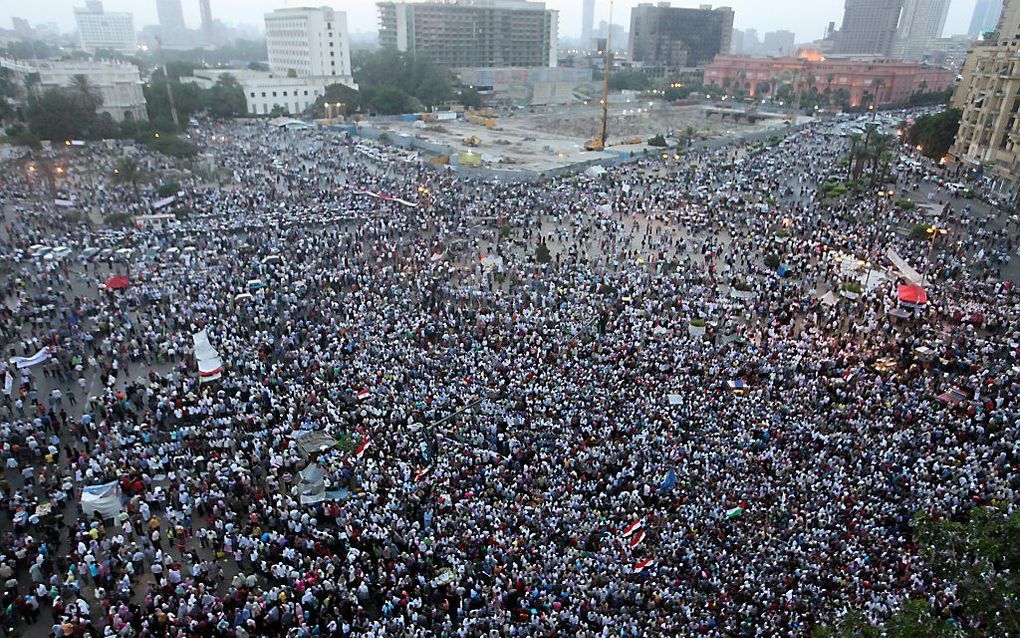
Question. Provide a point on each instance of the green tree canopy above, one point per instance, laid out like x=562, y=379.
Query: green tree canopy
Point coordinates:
x=225, y=98
x=629, y=81
x=383, y=75
x=84, y=93
x=935, y=133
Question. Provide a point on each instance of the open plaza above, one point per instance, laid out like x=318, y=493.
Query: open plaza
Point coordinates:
x=307, y=385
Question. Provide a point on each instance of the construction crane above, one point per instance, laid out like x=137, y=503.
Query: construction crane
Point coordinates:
x=599, y=143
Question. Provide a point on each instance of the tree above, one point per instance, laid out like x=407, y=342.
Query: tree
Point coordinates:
x=188, y=98
x=935, y=133
x=841, y=98
x=385, y=73
x=84, y=93
x=128, y=172
x=470, y=98
x=57, y=116
x=980, y=559
x=225, y=98
x=338, y=93
x=388, y=100
x=629, y=81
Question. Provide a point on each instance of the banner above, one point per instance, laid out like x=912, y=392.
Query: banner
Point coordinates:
x=27, y=362
x=388, y=198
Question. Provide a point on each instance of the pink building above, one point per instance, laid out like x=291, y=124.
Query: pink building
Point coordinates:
x=887, y=83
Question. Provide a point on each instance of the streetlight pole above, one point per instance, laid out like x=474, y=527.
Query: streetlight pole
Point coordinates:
x=934, y=231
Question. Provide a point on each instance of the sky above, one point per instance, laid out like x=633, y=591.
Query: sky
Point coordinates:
x=806, y=18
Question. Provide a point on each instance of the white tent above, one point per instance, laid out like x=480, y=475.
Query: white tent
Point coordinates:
x=104, y=499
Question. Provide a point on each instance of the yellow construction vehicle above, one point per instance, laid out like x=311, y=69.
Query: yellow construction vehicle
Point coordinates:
x=472, y=141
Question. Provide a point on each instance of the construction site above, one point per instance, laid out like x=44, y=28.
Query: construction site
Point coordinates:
x=551, y=139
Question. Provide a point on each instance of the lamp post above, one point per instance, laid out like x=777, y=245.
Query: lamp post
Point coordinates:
x=935, y=231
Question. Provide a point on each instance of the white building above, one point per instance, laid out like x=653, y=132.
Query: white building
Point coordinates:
x=265, y=91
x=118, y=82
x=98, y=29
x=309, y=41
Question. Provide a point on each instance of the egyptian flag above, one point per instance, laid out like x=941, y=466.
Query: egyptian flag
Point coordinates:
x=364, y=395
x=633, y=527
x=636, y=539
x=361, y=448
x=642, y=565
x=420, y=474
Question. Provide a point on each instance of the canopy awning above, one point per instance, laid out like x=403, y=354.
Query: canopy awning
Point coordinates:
x=912, y=294
x=118, y=282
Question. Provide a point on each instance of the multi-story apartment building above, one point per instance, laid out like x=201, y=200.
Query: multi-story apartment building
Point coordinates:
x=989, y=96
x=473, y=33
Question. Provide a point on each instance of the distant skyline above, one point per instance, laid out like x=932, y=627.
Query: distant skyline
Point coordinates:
x=806, y=19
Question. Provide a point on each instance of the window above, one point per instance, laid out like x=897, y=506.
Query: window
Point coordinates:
x=284, y=94
x=274, y=93
x=306, y=91
x=253, y=93
x=263, y=94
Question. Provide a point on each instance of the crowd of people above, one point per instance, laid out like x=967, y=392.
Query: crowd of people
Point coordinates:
x=588, y=406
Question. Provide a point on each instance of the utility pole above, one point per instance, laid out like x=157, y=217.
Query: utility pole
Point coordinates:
x=605, y=78
x=169, y=87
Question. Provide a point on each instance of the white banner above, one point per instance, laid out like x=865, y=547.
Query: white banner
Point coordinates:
x=27, y=362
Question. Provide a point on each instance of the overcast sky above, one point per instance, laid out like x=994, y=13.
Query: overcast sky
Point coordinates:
x=807, y=18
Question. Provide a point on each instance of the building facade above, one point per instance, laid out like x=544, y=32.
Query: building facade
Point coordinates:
x=882, y=83
x=869, y=27
x=99, y=29
x=989, y=96
x=309, y=41
x=672, y=38
x=171, y=21
x=119, y=83
x=264, y=92
x=985, y=17
x=920, y=28
x=473, y=33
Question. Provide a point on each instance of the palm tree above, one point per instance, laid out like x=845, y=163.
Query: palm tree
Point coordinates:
x=879, y=83
x=86, y=94
x=128, y=172
x=32, y=82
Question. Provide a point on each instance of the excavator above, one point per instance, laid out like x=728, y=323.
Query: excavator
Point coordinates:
x=599, y=143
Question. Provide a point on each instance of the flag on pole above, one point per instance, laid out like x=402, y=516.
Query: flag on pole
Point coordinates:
x=642, y=565
x=636, y=539
x=361, y=448
x=633, y=527
x=735, y=512
x=668, y=481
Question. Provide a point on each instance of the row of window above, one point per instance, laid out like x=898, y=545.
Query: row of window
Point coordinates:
x=295, y=92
